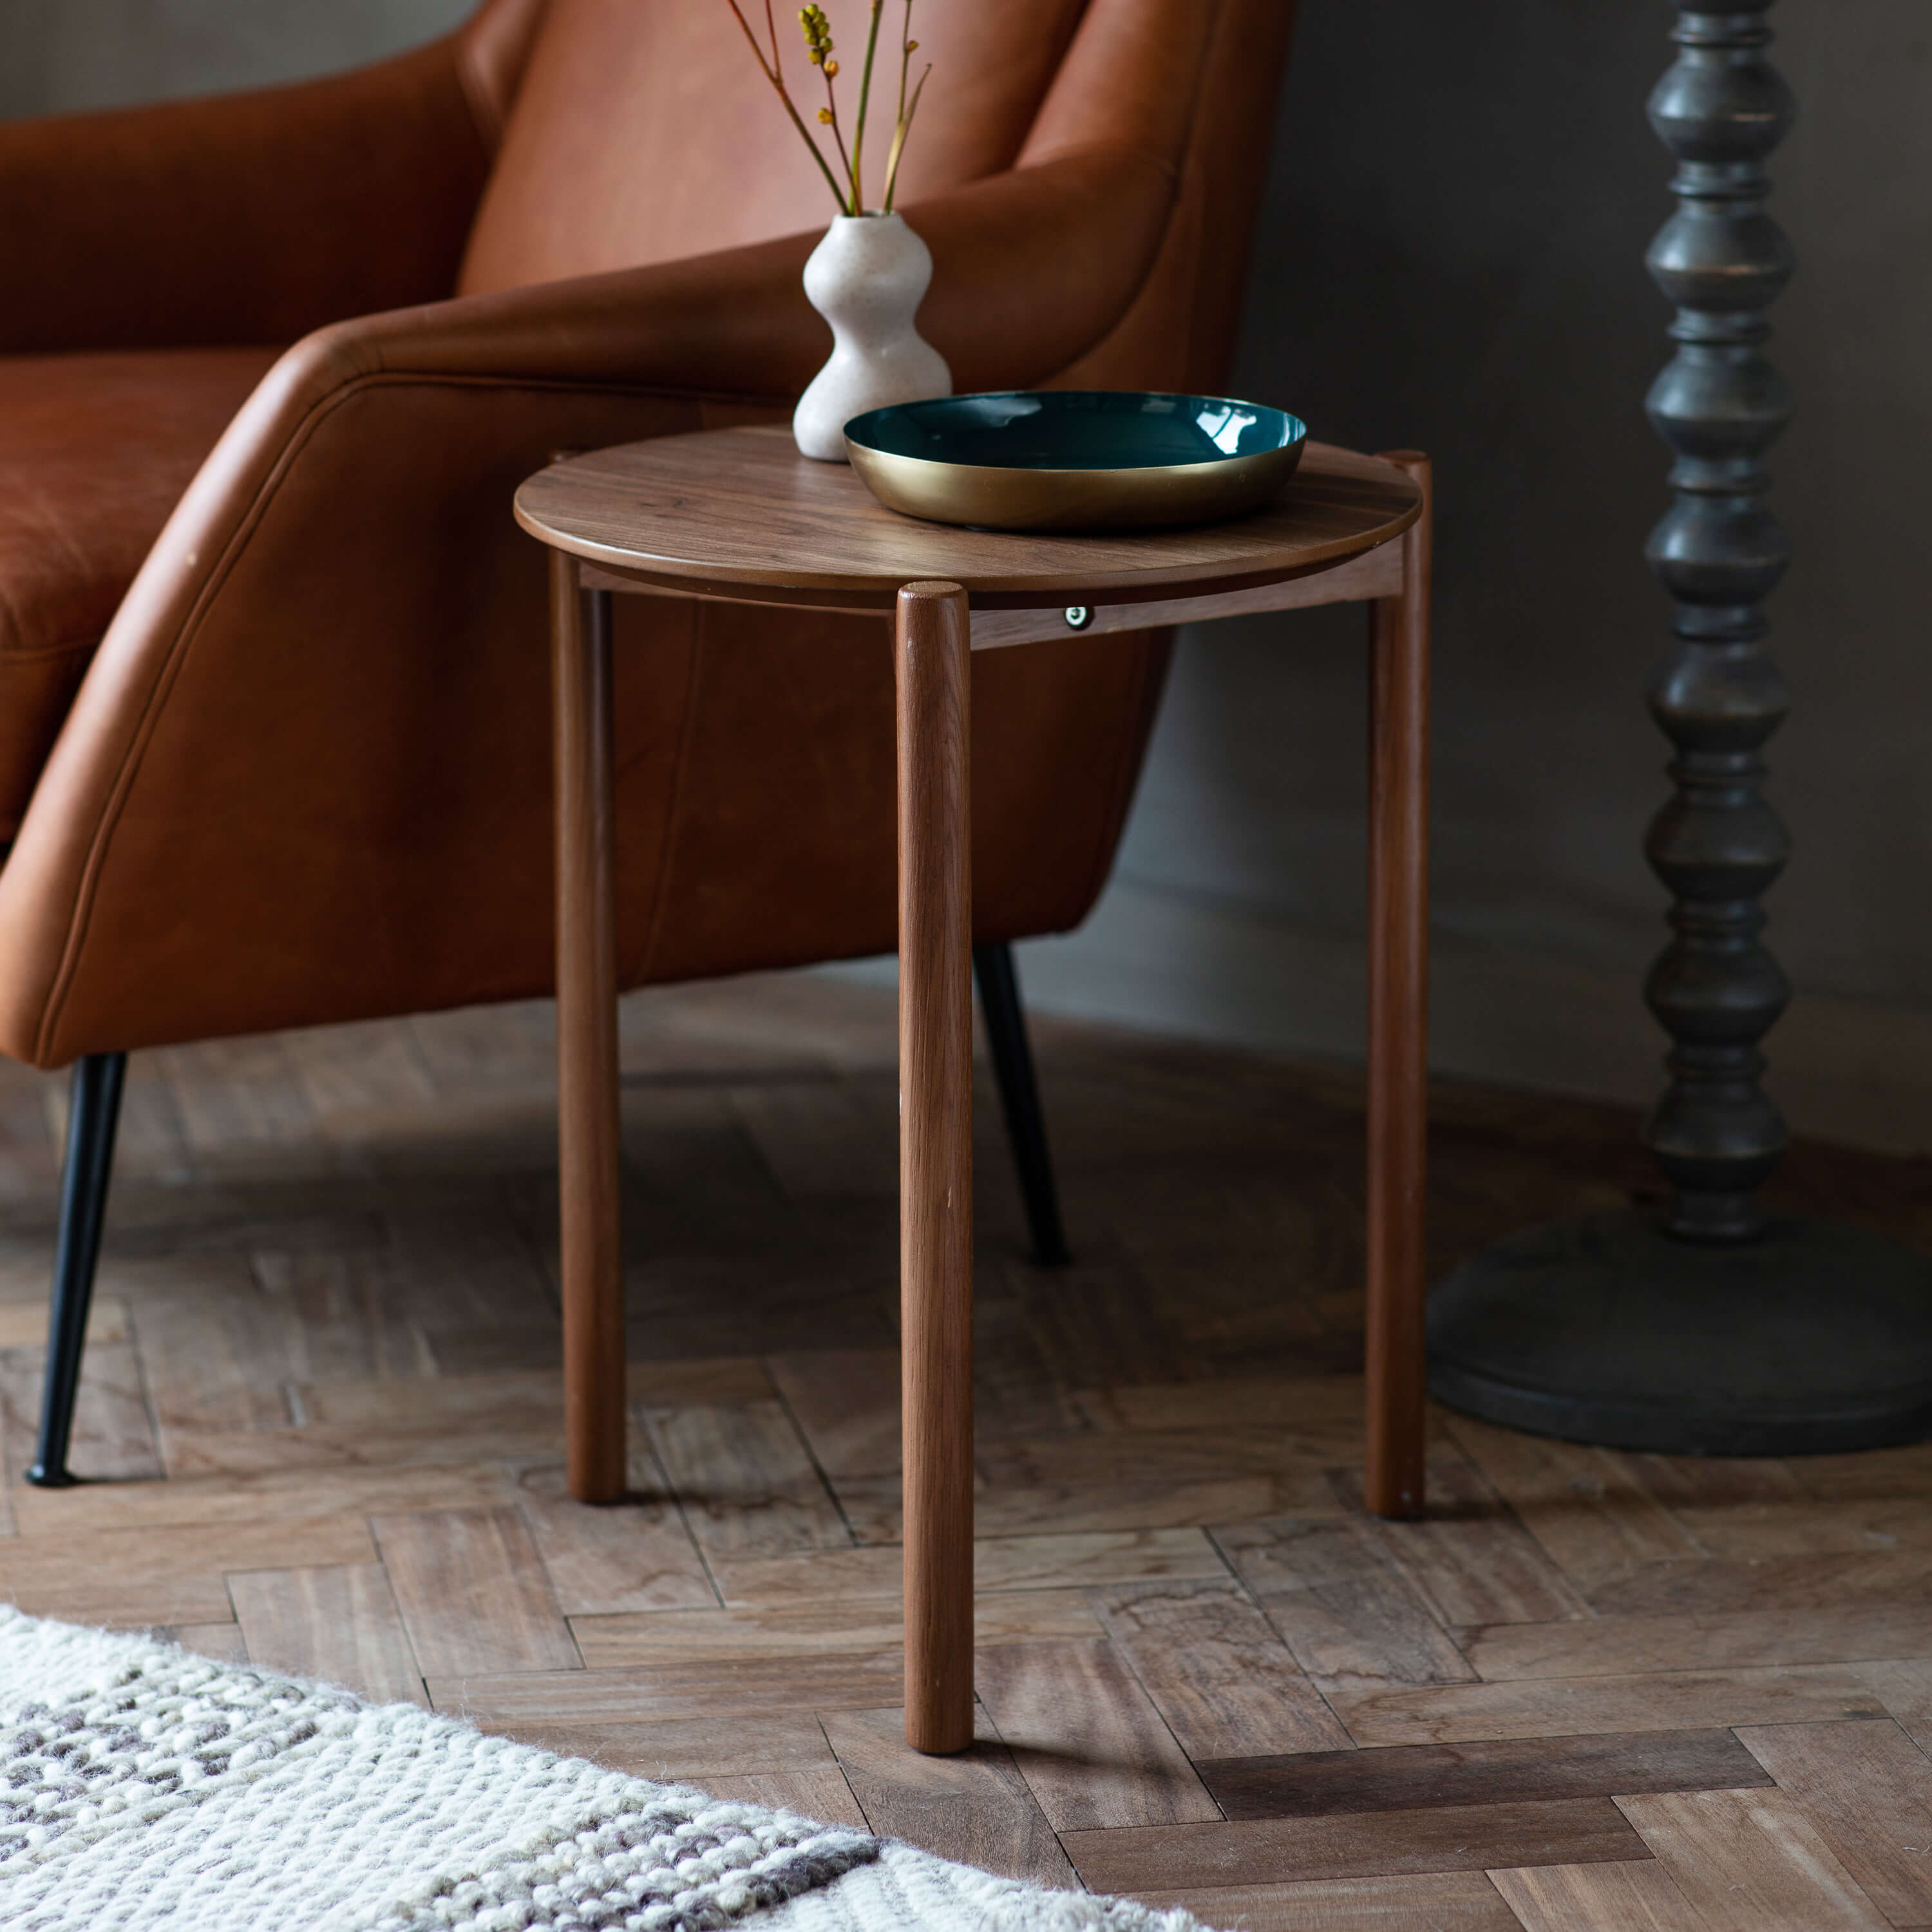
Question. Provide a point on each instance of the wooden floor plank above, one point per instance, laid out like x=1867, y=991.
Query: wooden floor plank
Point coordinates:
x=638, y=1641
x=1469, y=1559
x=1868, y=1789
x=240, y=1104
x=527, y=1438
x=1721, y=1484
x=974, y=1807
x=846, y=1401
x=726, y=1687
x=150, y=1130
x=1016, y=1395
x=1587, y=1508
x=1904, y=1472
x=1829, y=1579
x=382, y=1424
x=613, y=1557
x=1399, y=1777
x=1639, y=1896
x=1569, y=1830
x=216, y=1361
x=1099, y=1506
x=127, y=1578
x=359, y=1069
x=679, y=1748
x=1429, y=1902
x=1096, y=1323
x=288, y=1497
x=1619, y=1646
x=1751, y=1861
x=458, y=1261
x=690, y=1160
x=1047, y=1562
x=1352, y=1619
x=1086, y=1739
x=458, y=1403
x=1225, y=1685
x=113, y=1435
x=747, y=1484
x=340, y=1318
x=223, y=1641
x=1903, y=1686
x=698, y=1381
x=23, y=1324
x=1128, y=1456
x=1756, y=1530
x=339, y=1624
x=1325, y=1412
x=190, y=1256
x=1549, y=1707
x=161, y=1602
x=479, y=1047
x=820, y=1139
x=822, y=1794
x=471, y=1588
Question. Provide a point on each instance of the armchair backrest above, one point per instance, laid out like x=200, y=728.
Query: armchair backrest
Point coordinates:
x=642, y=132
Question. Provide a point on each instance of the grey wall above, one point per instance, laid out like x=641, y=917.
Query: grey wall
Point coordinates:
x=1450, y=258
x=98, y=53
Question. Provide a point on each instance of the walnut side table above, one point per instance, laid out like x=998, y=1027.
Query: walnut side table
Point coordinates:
x=738, y=515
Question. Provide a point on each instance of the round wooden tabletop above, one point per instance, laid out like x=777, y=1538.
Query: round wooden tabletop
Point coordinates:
x=739, y=512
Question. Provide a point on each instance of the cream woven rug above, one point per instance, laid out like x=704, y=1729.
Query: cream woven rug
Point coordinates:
x=142, y=1787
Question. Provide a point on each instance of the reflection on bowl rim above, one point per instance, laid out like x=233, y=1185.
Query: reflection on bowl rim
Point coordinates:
x=1297, y=433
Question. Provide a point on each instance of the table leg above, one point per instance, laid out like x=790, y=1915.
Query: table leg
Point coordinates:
x=1399, y=1023
x=932, y=660
x=586, y=1038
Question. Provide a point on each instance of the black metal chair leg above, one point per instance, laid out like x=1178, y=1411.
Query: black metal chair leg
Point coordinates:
x=92, y=1120
x=1019, y=1099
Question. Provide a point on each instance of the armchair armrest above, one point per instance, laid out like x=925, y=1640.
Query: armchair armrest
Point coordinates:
x=339, y=618
x=251, y=218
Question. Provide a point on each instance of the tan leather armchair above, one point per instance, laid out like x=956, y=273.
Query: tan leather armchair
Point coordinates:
x=272, y=668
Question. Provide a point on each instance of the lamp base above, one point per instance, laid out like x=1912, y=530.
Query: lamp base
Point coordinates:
x=1812, y=1339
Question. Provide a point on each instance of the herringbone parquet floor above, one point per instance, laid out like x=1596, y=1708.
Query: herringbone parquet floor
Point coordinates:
x=1592, y=1691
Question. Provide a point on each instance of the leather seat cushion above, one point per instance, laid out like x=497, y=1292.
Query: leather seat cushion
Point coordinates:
x=94, y=453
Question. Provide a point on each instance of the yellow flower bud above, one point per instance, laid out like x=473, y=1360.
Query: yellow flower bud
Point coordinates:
x=831, y=69
x=912, y=46
x=817, y=30
x=825, y=117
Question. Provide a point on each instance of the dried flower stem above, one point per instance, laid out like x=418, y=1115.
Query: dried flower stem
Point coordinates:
x=770, y=71
x=828, y=115
x=907, y=47
x=864, y=101
x=907, y=43
x=850, y=193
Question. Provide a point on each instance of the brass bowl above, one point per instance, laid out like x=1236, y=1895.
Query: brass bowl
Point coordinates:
x=1074, y=459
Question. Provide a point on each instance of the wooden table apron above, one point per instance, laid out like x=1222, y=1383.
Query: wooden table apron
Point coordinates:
x=937, y=623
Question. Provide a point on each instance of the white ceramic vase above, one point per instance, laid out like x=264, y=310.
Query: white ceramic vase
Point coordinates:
x=867, y=278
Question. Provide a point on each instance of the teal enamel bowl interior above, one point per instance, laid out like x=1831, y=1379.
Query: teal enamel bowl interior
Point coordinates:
x=1074, y=459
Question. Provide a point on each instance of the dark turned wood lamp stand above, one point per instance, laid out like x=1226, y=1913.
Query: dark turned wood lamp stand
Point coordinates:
x=1714, y=1328
x=738, y=515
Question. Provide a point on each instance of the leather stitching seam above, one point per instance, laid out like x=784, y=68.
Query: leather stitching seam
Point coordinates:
x=298, y=438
